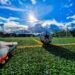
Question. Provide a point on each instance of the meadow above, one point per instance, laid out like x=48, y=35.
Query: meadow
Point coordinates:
x=45, y=60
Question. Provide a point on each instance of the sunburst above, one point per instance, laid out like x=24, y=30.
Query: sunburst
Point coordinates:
x=32, y=18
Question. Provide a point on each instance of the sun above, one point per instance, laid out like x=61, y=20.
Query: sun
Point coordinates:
x=32, y=18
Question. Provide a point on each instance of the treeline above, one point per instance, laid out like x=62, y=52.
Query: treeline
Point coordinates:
x=64, y=33
x=73, y=33
x=14, y=35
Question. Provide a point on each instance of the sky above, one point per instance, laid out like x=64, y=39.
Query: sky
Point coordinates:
x=25, y=13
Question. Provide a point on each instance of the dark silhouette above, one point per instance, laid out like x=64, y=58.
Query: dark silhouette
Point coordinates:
x=60, y=51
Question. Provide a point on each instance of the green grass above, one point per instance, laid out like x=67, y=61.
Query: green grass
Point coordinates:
x=49, y=60
x=60, y=40
x=21, y=41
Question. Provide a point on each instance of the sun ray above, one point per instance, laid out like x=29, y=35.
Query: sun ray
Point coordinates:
x=32, y=18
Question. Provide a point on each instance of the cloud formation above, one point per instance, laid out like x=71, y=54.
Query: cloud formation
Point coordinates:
x=12, y=8
x=11, y=24
x=50, y=22
x=9, y=19
x=71, y=17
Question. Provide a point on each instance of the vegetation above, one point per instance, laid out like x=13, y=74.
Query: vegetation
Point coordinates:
x=73, y=32
x=21, y=41
x=51, y=60
x=64, y=33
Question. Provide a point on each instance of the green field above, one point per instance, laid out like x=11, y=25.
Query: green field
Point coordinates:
x=51, y=60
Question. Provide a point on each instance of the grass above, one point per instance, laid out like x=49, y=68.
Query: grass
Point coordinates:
x=50, y=60
x=21, y=41
x=61, y=40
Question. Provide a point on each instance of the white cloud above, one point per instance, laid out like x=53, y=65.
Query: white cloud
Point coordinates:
x=50, y=22
x=69, y=17
x=2, y=18
x=11, y=24
x=12, y=8
x=14, y=25
x=69, y=23
x=33, y=1
x=13, y=18
x=9, y=19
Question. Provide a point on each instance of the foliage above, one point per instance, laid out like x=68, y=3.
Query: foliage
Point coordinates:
x=62, y=33
x=73, y=32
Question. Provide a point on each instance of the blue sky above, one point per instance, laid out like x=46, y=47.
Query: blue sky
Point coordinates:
x=22, y=11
